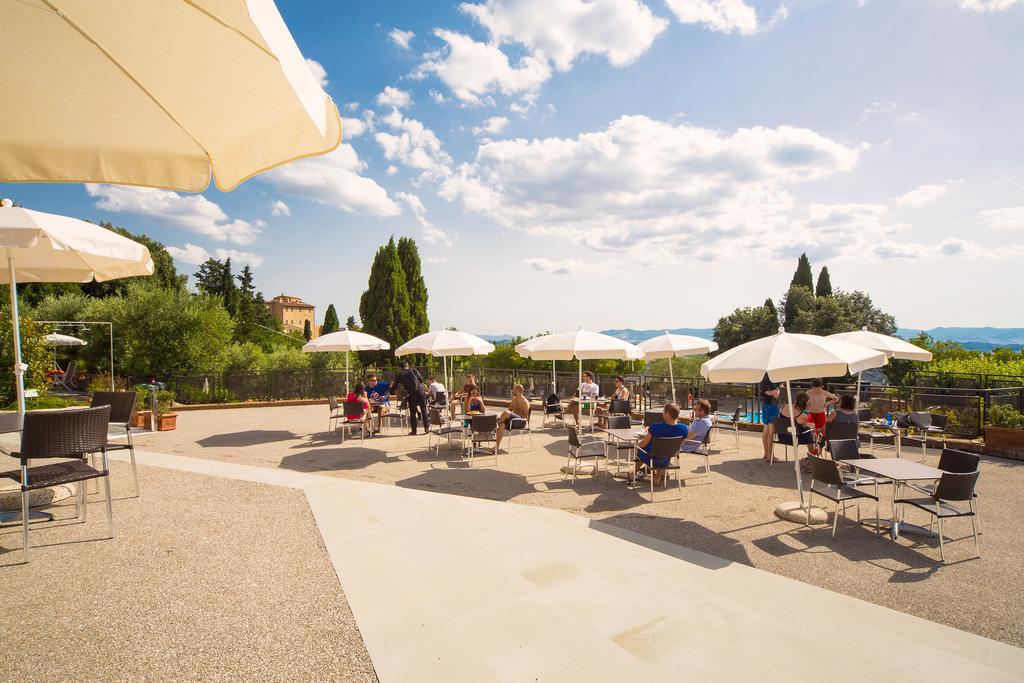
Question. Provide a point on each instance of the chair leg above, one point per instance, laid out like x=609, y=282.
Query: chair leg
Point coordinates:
x=974, y=528
x=110, y=509
x=135, y=469
x=835, y=519
x=24, y=522
x=942, y=551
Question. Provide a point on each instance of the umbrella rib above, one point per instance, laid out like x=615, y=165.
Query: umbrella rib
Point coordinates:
x=229, y=27
x=60, y=13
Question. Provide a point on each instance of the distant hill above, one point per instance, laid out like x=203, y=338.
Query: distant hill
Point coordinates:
x=497, y=338
x=996, y=336
x=637, y=336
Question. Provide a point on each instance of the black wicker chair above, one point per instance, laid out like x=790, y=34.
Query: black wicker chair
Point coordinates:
x=122, y=409
x=73, y=434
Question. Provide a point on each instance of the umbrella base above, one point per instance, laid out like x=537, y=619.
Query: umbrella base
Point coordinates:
x=793, y=512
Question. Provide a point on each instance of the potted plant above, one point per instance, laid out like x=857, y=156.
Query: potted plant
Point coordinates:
x=143, y=416
x=1004, y=428
x=166, y=420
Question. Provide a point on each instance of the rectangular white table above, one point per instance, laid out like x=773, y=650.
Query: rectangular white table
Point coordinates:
x=900, y=471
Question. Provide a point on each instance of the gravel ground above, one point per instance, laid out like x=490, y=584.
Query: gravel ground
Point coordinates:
x=206, y=579
x=731, y=518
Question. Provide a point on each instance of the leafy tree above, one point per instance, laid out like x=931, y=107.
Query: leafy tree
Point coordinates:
x=33, y=353
x=307, y=330
x=796, y=299
x=350, y=323
x=214, y=278
x=824, y=286
x=770, y=305
x=745, y=324
x=418, y=323
x=331, y=323
x=384, y=307
x=803, y=276
x=253, y=321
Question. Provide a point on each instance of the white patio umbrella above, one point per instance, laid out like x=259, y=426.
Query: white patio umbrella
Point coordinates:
x=673, y=345
x=892, y=347
x=581, y=345
x=158, y=94
x=444, y=344
x=344, y=341
x=43, y=247
x=785, y=357
x=63, y=340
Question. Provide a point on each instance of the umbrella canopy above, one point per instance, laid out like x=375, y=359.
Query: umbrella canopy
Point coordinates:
x=786, y=356
x=63, y=340
x=43, y=247
x=893, y=347
x=346, y=340
x=445, y=343
x=672, y=345
x=51, y=248
x=581, y=345
x=160, y=94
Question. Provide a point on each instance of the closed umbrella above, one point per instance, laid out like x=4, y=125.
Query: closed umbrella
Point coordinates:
x=160, y=94
x=581, y=345
x=43, y=247
x=344, y=341
x=892, y=347
x=444, y=344
x=673, y=345
x=63, y=340
x=785, y=357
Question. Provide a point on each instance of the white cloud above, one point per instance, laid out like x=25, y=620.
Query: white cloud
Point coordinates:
x=401, y=38
x=413, y=145
x=889, y=111
x=724, y=16
x=196, y=255
x=560, y=31
x=431, y=233
x=334, y=179
x=493, y=125
x=987, y=5
x=646, y=186
x=394, y=97
x=472, y=69
x=438, y=97
x=194, y=213
x=391, y=169
x=279, y=208
x=548, y=266
x=319, y=72
x=435, y=259
x=1009, y=218
x=352, y=128
x=922, y=196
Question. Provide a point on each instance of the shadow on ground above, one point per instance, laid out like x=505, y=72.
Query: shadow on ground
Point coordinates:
x=249, y=438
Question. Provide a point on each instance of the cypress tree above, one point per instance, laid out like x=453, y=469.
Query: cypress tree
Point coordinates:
x=351, y=324
x=307, y=330
x=418, y=323
x=803, y=277
x=824, y=287
x=384, y=306
x=331, y=323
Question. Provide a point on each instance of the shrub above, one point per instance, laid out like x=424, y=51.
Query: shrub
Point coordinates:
x=1005, y=416
x=164, y=398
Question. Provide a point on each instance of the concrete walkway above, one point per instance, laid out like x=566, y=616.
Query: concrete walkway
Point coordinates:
x=453, y=588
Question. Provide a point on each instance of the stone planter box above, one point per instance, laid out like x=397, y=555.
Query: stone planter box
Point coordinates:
x=1005, y=439
x=166, y=422
x=142, y=419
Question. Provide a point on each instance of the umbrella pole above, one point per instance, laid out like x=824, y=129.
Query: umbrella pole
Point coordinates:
x=554, y=377
x=19, y=370
x=672, y=379
x=346, y=373
x=856, y=403
x=796, y=453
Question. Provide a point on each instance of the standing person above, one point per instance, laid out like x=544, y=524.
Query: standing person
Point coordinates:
x=587, y=390
x=410, y=379
x=518, y=409
x=769, y=411
x=818, y=401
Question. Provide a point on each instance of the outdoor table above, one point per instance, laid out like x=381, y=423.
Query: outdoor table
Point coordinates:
x=626, y=435
x=882, y=424
x=587, y=404
x=900, y=471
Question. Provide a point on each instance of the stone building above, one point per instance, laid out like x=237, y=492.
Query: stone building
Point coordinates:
x=292, y=312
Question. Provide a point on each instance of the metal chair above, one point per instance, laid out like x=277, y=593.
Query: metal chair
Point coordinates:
x=782, y=436
x=483, y=429
x=661, y=448
x=349, y=410
x=953, y=460
x=441, y=428
x=703, y=448
x=581, y=450
x=619, y=406
x=619, y=422
x=122, y=409
x=336, y=414
x=729, y=423
x=653, y=416
x=953, y=487
x=520, y=426
x=553, y=410
x=827, y=482
x=926, y=425
x=73, y=434
x=839, y=431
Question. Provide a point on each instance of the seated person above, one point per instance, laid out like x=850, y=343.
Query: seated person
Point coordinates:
x=459, y=399
x=474, y=404
x=804, y=427
x=587, y=390
x=518, y=409
x=437, y=392
x=846, y=413
x=358, y=395
x=377, y=392
x=621, y=393
x=700, y=426
x=668, y=428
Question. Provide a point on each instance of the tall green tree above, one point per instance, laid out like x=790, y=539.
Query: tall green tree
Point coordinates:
x=745, y=324
x=384, y=306
x=351, y=324
x=418, y=323
x=307, y=330
x=824, y=286
x=253, y=321
x=803, y=277
x=214, y=278
x=770, y=305
x=331, y=322
x=797, y=298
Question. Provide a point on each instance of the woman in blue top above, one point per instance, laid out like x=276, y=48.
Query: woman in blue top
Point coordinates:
x=669, y=428
x=474, y=404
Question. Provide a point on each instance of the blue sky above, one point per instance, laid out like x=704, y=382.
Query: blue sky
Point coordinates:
x=636, y=163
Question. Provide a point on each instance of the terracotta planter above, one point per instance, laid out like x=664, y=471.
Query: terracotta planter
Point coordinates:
x=1004, y=438
x=142, y=419
x=166, y=422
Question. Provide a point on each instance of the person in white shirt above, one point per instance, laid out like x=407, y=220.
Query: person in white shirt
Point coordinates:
x=587, y=390
x=437, y=392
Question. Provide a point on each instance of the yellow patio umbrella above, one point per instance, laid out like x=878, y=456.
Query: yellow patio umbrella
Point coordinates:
x=160, y=94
